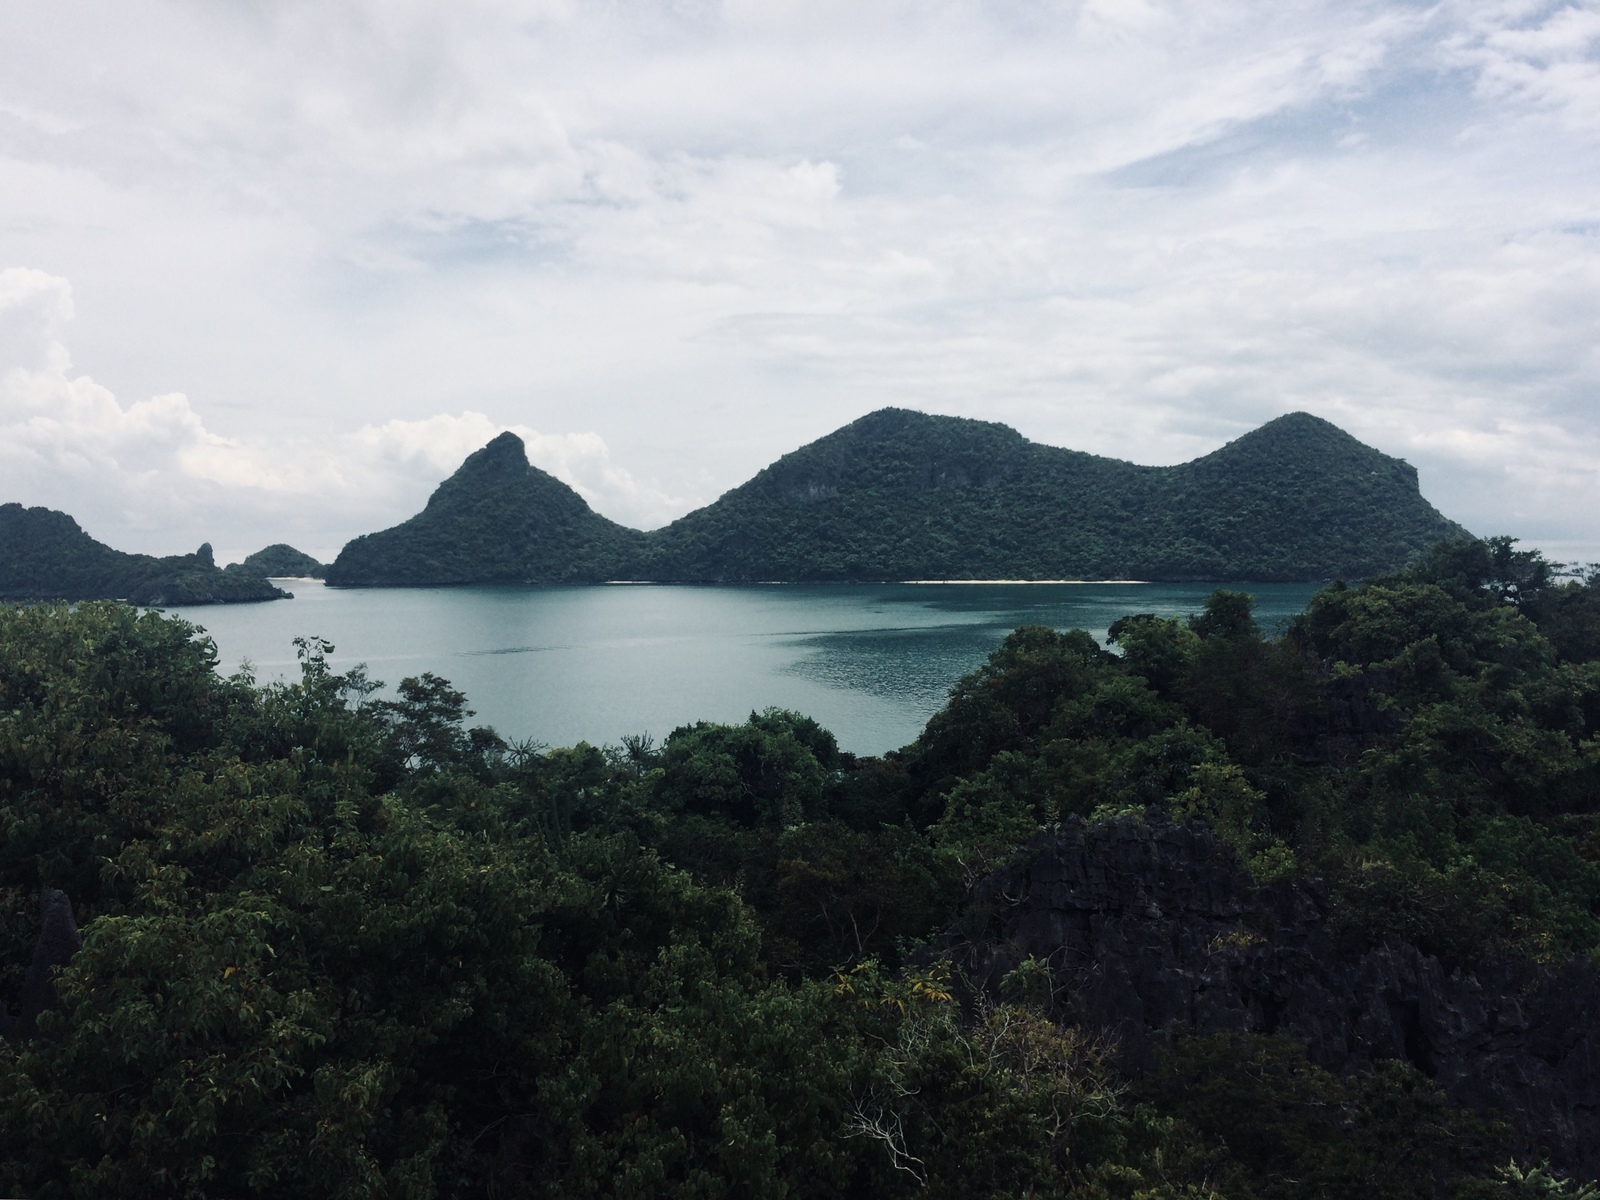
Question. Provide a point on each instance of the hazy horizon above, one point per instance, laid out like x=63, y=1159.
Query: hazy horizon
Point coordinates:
x=269, y=272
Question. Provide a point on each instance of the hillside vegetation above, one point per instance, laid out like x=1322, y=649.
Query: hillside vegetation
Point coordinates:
x=902, y=495
x=341, y=946
x=44, y=555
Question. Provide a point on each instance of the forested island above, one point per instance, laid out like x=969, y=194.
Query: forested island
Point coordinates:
x=280, y=561
x=900, y=495
x=1207, y=914
x=45, y=555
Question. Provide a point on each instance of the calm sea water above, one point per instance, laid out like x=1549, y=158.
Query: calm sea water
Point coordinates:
x=563, y=665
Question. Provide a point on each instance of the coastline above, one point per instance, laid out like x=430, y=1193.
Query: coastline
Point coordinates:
x=874, y=582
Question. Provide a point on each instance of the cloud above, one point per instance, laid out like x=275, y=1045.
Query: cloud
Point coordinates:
x=34, y=307
x=150, y=472
x=1537, y=56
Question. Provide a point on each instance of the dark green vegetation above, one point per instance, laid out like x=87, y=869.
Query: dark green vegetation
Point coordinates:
x=338, y=946
x=44, y=555
x=280, y=561
x=496, y=520
x=901, y=495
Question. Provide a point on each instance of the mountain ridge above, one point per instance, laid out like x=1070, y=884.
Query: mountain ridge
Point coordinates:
x=898, y=494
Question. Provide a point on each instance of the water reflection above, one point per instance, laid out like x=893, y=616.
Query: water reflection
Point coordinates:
x=916, y=666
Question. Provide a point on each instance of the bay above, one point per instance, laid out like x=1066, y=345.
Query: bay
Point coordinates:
x=560, y=665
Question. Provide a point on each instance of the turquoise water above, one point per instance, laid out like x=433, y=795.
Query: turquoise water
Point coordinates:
x=563, y=665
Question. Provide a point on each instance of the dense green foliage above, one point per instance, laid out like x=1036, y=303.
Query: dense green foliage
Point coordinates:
x=44, y=555
x=296, y=982
x=280, y=561
x=902, y=495
x=338, y=945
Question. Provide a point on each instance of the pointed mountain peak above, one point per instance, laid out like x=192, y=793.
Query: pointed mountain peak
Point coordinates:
x=504, y=458
x=498, y=519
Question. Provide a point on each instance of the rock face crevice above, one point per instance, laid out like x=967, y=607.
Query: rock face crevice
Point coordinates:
x=59, y=940
x=1153, y=929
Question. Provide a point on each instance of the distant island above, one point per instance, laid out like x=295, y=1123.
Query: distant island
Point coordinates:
x=498, y=519
x=45, y=555
x=280, y=561
x=901, y=495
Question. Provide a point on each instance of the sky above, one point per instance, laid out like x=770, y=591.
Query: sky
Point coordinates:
x=270, y=269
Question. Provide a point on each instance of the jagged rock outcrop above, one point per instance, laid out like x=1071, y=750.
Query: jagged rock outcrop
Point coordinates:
x=58, y=941
x=1153, y=929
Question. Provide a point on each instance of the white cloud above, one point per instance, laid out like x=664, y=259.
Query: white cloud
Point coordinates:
x=34, y=307
x=151, y=476
x=1539, y=55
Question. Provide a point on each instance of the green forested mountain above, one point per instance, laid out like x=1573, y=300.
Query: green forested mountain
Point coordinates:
x=280, y=561
x=496, y=520
x=903, y=495
x=895, y=495
x=44, y=555
x=1216, y=917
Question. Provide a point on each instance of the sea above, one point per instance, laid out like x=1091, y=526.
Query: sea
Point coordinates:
x=563, y=665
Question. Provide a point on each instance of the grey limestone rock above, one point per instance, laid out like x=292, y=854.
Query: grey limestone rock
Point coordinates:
x=58, y=941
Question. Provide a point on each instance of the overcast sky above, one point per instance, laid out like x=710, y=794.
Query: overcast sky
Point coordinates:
x=269, y=270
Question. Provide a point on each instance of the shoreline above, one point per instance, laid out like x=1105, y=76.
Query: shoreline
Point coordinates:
x=845, y=582
x=1009, y=582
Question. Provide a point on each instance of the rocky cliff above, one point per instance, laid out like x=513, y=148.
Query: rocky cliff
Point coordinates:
x=1153, y=929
